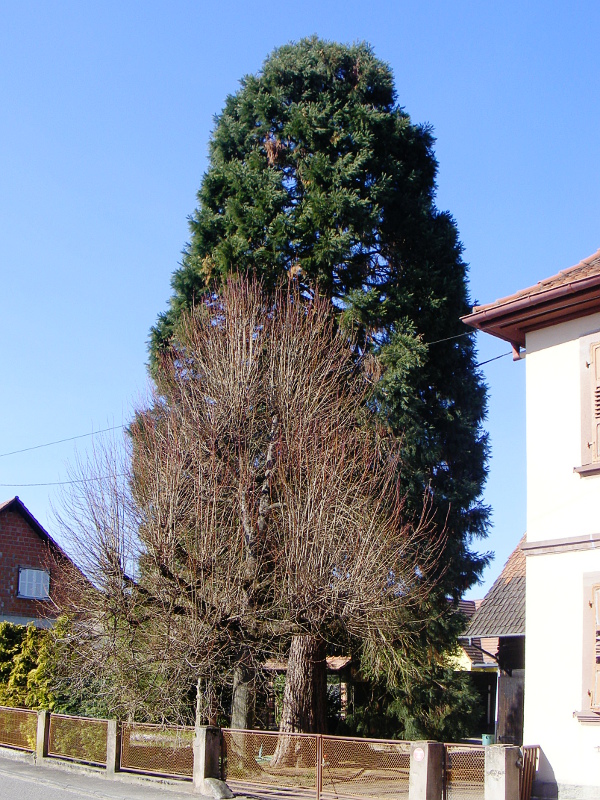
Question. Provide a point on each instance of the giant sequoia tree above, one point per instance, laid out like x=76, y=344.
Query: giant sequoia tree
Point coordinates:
x=315, y=170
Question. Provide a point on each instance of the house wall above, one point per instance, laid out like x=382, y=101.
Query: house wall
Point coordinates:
x=21, y=546
x=560, y=504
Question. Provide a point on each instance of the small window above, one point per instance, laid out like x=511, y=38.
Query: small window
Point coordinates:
x=34, y=583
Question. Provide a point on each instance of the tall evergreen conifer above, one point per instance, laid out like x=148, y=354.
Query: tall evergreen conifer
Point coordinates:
x=316, y=170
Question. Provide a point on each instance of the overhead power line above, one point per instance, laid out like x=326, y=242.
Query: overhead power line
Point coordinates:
x=449, y=338
x=118, y=427
x=60, y=441
x=63, y=483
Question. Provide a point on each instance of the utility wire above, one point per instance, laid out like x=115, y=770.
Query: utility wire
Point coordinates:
x=64, y=483
x=60, y=441
x=494, y=359
x=449, y=338
x=468, y=333
x=118, y=427
x=86, y=480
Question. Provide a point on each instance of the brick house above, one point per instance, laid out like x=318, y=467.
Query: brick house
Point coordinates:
x=30, y=568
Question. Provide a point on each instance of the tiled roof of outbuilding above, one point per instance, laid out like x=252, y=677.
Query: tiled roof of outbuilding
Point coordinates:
x=502, y=612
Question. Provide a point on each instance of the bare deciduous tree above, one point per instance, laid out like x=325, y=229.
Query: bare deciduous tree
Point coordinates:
x=262, y=509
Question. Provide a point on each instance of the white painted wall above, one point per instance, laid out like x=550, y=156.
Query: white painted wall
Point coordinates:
x=554, y=668
x=560, y=504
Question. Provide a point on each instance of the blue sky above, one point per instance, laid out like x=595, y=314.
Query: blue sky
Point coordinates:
x=105, y=118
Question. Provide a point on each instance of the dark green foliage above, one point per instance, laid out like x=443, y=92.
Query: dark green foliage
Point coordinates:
x=34, y=671
x=431, y=700
x=315, y=170
x=312, y=165
x=11, y=640
x=20, y=651
x=442, y=705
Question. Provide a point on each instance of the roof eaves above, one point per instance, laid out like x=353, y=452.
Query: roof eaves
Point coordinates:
x=511, y=317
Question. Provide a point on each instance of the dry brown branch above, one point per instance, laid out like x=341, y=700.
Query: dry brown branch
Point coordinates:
x=258, y=502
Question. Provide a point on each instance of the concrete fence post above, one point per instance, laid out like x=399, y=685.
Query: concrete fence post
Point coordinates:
x=42, y=736
x=501, y=772
x=113, y=747
x=426, y=776
x=207, y=767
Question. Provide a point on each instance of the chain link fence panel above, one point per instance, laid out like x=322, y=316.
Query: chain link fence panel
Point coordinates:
x=78, y=738
x=269, y=758
x=18, y=728
x=157, y=750
x=366, y=768
x=464, y=772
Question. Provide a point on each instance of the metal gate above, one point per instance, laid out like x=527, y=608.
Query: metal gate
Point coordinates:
x=315, y=765
x=464, y=772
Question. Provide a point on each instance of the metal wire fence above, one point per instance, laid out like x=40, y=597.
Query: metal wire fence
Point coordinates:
x=306, y=764
x=269, y=758
x=464, y=772
x=368, y=768
x=78, y=738
x=157, y=750
x=18, y=728
x=329, y=766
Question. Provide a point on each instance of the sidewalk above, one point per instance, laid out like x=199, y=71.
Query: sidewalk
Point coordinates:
x=20, y=779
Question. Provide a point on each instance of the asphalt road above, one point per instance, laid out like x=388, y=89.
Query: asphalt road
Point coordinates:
x=20, y=780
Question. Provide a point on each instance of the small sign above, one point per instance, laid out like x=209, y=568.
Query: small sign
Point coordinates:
x=418, y=754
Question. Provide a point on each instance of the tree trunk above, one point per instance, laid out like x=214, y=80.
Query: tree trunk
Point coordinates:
x=242, y=699
x=241, y=751
x=304, y=700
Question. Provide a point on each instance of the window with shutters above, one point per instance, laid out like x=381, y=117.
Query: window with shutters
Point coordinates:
x=590, y=405
x=594, y=367
x=590, y=652
x=596, y=685
x=34, y=583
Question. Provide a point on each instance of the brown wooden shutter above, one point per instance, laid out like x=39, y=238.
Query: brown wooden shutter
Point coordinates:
x=596, y=673
x=595, y=399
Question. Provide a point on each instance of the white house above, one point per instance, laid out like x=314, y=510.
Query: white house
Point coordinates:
x=557, y=322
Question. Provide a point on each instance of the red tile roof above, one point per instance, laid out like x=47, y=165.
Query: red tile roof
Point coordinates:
x=572, y=293
x=587, y=268
x=502, y=612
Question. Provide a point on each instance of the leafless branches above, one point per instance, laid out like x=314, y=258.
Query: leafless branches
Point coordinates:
x=256, y=500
